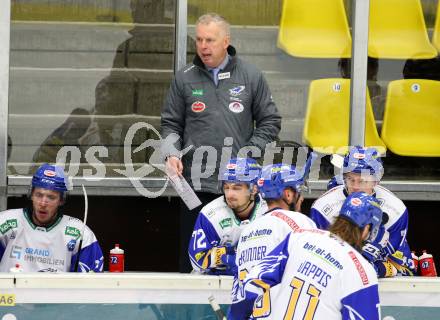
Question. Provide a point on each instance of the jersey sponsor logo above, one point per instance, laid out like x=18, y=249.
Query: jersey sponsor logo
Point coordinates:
x=227, y=222
x=15, y=252
x=359, y=267
x=322, y=253
x=8, y=225
x=236, y=91
x=51, y=270
x=71, y=245
x=12, y=223
x=236, y=107
x=72, y=231
x=252, y=254
x=50, y=173
x=44, y=260
x=254, y=234
x=37, y=252
x=197, y=92
x=286, y=219
x=224, y=75
x=198, y=106
x=200, y=255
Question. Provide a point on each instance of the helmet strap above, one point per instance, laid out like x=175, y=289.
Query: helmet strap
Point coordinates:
x=251, y=201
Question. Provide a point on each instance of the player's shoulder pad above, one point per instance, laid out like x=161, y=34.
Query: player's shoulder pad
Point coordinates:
x=295, y=220
x=8, y=216
x=75, y=222
x=389, y=203
x=11, y=213
x=216, y=208
x=330, y=202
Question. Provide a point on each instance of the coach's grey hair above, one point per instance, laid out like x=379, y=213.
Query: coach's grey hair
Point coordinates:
x=216, y=18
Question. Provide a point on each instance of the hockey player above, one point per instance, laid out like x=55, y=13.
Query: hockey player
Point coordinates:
x=316, y=274
x=362, y=170
x=40, y=238
x=280, y=185
x=220, y=222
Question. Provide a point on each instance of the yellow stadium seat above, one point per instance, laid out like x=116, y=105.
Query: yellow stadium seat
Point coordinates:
x=436, y=34
x=314, y=29
x=398, y=31
x=411, y=124
x=326, y=127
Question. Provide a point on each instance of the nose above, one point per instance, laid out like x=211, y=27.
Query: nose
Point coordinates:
x=203, y=44
x=42, y=201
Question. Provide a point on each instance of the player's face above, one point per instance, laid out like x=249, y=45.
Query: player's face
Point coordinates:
x=212, y=43
x=356, y=182
x=45, y=204
x=237, y=195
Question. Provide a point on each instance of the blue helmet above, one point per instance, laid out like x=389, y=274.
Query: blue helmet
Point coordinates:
x=275, y=178
x=362, y=209
x=239, y=170
x=50, y=177
x=364, y=161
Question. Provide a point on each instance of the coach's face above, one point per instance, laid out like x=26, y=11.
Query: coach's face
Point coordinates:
x=212, y=43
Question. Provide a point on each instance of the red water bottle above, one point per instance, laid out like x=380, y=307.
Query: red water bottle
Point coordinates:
x=427, y=265
x=416, y=261
x=116, y=263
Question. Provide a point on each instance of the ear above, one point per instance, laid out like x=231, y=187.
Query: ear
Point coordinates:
x=288, y=194
x=226, y=41
x=254, y=190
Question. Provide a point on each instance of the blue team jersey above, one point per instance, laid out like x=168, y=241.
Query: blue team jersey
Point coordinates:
x=326, y=208
x=51, y=249
x=216, y=226
x=311, y=274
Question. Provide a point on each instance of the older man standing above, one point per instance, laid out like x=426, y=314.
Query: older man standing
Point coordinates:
x=217, y=101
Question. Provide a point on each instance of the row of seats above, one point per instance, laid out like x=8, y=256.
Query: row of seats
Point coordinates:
x=319, y=29
x=411, y=124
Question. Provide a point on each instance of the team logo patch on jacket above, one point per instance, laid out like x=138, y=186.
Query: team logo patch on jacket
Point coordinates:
x=236, y=107
x=198, y=106
x=236, y=91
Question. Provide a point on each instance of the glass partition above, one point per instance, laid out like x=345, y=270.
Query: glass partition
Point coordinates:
x=299, y=43
x=403, y=75
x=273, y=36
x=81, y=74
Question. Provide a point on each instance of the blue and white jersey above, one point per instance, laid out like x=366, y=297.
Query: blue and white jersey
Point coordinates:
x=262, y=236
x=52, y=249
x=326, y=208
x=316, y=276
x=216, y=226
